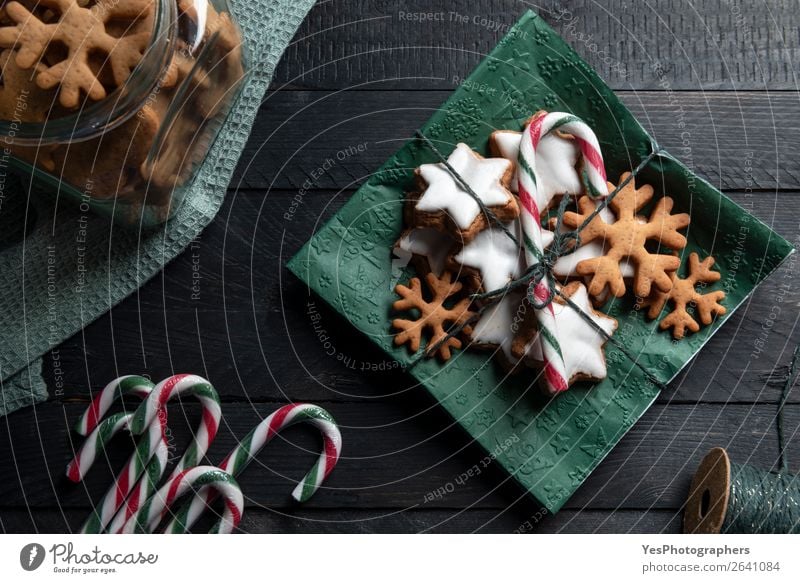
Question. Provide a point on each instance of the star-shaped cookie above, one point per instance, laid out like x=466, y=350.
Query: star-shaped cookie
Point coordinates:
x=443, y=204
x=497, y=327
x=493, y=256
x=581, y=345
x=430, y=244
x=556, y=162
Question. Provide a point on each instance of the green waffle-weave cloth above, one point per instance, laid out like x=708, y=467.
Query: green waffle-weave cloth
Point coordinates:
x=63, y=268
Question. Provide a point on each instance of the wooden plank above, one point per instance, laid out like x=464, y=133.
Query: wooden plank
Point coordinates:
x=249, y=320
x=714, y=44
x=314, y=521
x=336, y=140
x=227, y=304
x=396, y=452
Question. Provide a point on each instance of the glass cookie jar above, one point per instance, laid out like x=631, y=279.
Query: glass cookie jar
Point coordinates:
x=115, y=103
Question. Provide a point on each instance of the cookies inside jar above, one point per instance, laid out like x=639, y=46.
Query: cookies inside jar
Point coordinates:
x=117, y=102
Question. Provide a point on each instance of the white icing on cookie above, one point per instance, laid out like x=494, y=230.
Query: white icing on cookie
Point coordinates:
x=556, y=158
x=430, y=243
x=495, y=255
x=483, y=175
x=581, y=345
x=497, y=323
x=547, y=238
x=566, y=264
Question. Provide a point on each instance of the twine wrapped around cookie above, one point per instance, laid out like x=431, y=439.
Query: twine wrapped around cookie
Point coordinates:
x=563, y=244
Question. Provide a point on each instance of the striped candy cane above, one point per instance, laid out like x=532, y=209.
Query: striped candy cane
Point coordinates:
x=555, y=375
x=96, y=441
x=100, y=430
x=251, y=445
x=149, y=458
x=183, y=384
x=199, y=480
x=146, y=417
x=144, y=488
x=143, y=471
x=116, y=389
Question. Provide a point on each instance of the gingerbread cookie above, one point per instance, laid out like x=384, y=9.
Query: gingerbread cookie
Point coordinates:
x=83, y=32
x=626, y=239
x=107, y=166
x=443, y=204
x=683, y=294
x=581, y=345
x=556, y=164
x=434, y=314
x=16, y=82
x=180, y=148
x=492, y=259
x=566, y=265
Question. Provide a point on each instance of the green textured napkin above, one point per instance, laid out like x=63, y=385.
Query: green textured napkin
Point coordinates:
x=62, y=268
x=548, y=446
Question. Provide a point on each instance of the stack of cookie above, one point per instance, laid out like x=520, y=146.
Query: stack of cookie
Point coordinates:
x=463, y=251
x=62, y=56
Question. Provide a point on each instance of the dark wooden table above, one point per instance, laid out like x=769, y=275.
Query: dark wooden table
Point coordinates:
x=359, y=78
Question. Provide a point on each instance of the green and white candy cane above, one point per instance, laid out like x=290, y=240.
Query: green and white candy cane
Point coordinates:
x=139, y=479
x=149, y=460
x=543, y=123
x=116, y=389
x=251, y=445
x=99, y=431
x=248, y=448
x=146, y=460
x=200, y=480
x=183, y=385
x=152, y=413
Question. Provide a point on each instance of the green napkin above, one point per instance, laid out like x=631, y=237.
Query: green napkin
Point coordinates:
x=62, y=268
x=549, y=446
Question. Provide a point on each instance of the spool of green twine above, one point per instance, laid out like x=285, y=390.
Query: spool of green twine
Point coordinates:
x=739, y=499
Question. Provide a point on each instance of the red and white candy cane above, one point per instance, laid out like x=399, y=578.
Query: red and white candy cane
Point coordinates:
x=149, y=459
x=180, y=385
x=116, y=389
x=555, y=375
x=251, y=445
x=152, y=413
x=99, y=431
x=138, y=480
x=200, y=480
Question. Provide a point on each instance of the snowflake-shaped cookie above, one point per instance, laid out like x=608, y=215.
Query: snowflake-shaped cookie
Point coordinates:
x=627, y=239
x=83, y=32
x=13, y=82
x=435, y=314
x=566, y=265
x=683, y=294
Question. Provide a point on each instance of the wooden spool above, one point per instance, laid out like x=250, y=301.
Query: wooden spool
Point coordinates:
x=709, y=494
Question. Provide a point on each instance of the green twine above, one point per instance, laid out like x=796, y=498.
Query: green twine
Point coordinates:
x=766, y=502
x=762, y=502
x=563, y=244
